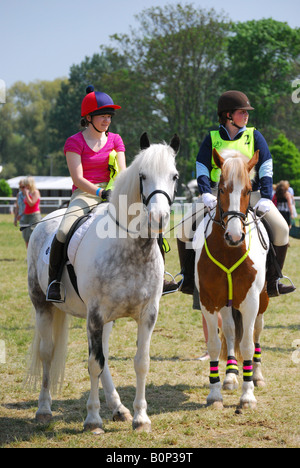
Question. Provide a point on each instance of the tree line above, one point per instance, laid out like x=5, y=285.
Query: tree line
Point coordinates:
x=167, y=75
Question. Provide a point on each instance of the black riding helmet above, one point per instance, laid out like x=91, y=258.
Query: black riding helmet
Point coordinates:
x=233, y=100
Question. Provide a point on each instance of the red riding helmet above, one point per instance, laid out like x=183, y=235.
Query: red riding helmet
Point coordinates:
x=97, y=103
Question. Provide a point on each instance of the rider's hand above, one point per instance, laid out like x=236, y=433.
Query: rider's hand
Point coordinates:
x=105, y=194
x=263, y=205
x=209, y=200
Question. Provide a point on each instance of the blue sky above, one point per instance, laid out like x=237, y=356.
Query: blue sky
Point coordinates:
x=41, y=39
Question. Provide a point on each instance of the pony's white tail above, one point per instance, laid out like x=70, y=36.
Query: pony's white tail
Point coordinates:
x=60, y=329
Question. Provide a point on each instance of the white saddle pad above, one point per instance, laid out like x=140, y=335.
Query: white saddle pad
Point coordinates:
x=74, y=242
x=77, y=238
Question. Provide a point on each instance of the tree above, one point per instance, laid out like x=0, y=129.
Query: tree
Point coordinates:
x=24, y=136
x=263, y=60
x=286, y=158
x=180, y=51
x=5, y=190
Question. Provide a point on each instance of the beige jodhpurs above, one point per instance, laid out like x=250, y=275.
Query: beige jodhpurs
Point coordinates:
x=276, y=220
x=80, y=203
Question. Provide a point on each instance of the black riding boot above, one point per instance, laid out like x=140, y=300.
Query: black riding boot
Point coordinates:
x=187, y=263
x=274, y=287
x=55, y=271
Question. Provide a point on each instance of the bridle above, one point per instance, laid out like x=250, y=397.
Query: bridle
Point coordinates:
x=243, y=217
x=147, y=200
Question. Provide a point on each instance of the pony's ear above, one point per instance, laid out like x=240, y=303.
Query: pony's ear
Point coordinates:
x=253, y=161
x=144, y=141
x=218, y=159
x=175, y=143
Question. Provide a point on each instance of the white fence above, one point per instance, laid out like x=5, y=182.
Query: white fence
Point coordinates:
x=53, y=203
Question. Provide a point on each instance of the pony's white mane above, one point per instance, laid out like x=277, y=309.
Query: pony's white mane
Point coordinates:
x=155, y=160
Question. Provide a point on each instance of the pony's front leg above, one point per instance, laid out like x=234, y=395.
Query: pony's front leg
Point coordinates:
x=96, y=361
x=120, y=412
x=249, y=314
x=214, y=348
x=258, y=378
x=228, y=329
x=141, y=422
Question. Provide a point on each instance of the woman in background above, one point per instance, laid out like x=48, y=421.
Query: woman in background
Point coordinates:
x=31, y=214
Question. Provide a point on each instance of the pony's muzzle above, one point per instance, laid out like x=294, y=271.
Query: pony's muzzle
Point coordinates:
x=234, y=240
x=158, y=221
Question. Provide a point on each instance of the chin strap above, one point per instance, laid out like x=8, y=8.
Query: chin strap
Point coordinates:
x=233, y=123
x=94, y=126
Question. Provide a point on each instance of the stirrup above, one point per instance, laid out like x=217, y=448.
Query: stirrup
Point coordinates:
x=58, y=301
x=179, y=285
x=287, y=278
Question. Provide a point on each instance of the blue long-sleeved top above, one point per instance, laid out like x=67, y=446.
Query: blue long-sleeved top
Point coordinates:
x=263, y=179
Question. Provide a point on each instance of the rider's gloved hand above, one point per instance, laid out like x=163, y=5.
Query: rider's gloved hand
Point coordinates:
x=105, y=195
x=263, y=205
x=209, y=200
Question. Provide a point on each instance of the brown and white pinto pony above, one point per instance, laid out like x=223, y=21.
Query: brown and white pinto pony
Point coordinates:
x=232, y=242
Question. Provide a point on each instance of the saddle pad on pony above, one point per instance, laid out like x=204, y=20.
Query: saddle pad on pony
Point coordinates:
x=77, y=237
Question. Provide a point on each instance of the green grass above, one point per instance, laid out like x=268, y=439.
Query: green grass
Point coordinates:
x=177, y=384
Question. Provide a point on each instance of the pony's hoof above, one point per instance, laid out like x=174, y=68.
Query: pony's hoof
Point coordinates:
x=123, y=416
x=93, y=428
x=248, y=405
x=218, y=405
x=141, y=427
x=259, y=383
x=43, y=418
x=230, y=386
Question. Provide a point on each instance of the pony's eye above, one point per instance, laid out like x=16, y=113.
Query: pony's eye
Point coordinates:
x=221, y=190
x=176, y=177
x=142, y=176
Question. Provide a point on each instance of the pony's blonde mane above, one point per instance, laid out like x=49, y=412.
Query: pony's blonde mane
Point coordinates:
x=235, y=167
x=157, y=159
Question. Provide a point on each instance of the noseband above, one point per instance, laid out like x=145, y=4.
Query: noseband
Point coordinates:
x=147, y=200
x=231, y=215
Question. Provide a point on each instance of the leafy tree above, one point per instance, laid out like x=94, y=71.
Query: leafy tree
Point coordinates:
x=286, y=159
x=5, y=190
x=180, y=50
x=263, y=59
x=24, y=137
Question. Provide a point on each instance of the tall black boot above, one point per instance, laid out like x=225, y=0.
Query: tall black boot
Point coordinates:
x=274, y=287
x=187, y=264
x=56, y=266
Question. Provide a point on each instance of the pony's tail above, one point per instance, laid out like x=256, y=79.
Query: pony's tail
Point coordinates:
x=238, y=322
x=60, y=329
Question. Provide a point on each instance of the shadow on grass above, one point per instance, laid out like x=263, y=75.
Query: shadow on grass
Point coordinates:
x=161, y=399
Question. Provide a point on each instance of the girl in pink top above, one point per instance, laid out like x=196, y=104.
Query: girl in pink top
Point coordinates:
x=31, y=215
x=87, y=155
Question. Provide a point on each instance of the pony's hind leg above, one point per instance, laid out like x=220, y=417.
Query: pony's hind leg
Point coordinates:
x=45, y=350
x=120, y=412
x=49, y=349
x=93, y=421
x=258, y=378
x=214, y=347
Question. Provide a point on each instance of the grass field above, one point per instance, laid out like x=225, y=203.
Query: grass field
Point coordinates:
x=177, y=384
